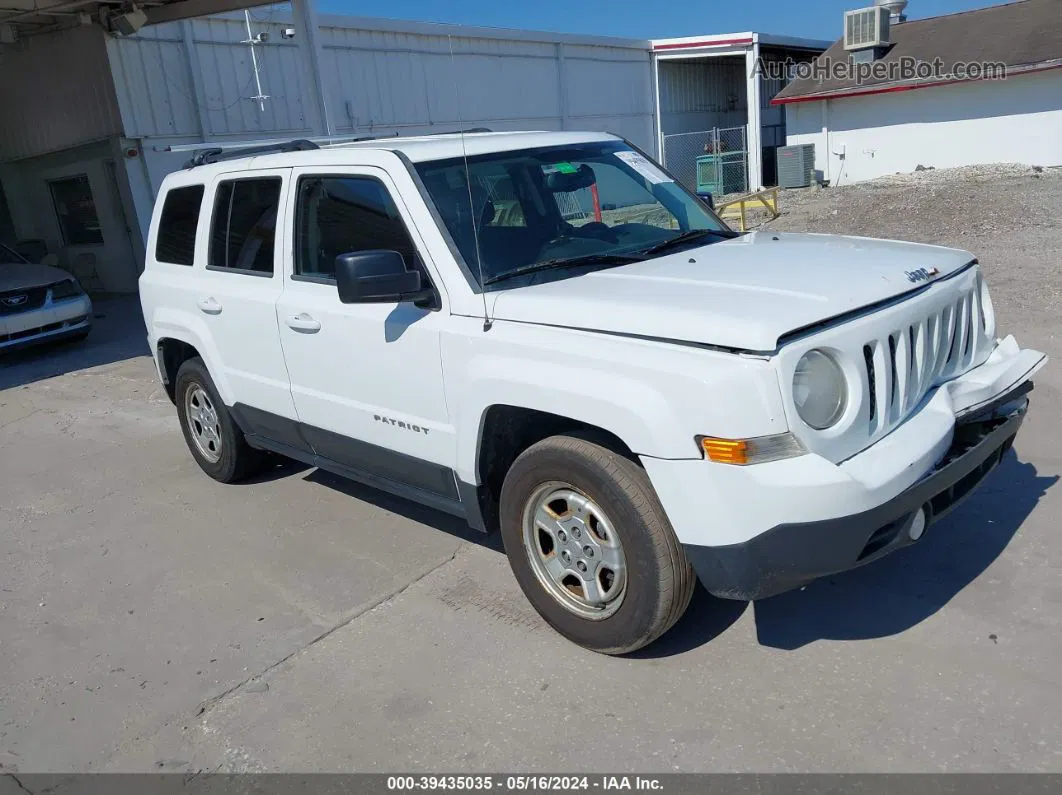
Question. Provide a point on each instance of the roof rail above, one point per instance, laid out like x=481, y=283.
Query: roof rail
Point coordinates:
x=363, y=138
x=217, y=154
x=469, y=131
x=231, y=151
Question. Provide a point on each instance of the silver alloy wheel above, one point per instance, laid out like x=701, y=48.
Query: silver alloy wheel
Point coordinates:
x=574, y=551
x=202, y=420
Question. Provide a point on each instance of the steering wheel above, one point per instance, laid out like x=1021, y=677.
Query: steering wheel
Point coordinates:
x=559, y=240
x=601, y=231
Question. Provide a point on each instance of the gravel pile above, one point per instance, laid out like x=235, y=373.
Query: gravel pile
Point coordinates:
x=1008, y=216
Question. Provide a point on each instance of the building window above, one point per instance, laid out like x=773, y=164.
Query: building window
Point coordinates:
x=339, y=215
x=180, y=217
x=244, y=225
x=76, y=211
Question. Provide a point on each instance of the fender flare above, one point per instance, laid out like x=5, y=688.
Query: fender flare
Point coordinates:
x=178, y=325
x=628, y=409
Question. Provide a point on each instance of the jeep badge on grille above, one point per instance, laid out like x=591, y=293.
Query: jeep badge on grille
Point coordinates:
x=921, y=274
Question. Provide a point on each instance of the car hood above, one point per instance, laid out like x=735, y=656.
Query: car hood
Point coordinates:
x=744, y=293
x=23, y=276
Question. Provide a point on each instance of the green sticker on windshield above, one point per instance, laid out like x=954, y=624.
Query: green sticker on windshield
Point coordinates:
x=566, y=168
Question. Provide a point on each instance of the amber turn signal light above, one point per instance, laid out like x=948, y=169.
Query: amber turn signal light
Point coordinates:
x=758, y=450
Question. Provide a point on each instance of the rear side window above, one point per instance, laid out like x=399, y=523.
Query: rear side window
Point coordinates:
x=340, y=215
x=243, y=231
x=180, y=217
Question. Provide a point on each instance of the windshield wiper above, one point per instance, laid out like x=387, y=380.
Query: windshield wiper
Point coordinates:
x=550, y=264
x=688, y=237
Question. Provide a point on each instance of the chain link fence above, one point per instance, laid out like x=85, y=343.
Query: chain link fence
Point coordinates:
x=713, y=161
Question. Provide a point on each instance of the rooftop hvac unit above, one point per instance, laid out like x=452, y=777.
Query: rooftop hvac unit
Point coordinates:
x=796, y=165
x=866, y=27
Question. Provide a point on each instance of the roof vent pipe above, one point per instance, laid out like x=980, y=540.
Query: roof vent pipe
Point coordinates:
x=896, y=9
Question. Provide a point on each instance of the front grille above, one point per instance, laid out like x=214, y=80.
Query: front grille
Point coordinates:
x=13, y=302
x=32, y=332
x=904, y=365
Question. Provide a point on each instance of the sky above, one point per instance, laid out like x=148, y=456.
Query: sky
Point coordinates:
x=641, y=19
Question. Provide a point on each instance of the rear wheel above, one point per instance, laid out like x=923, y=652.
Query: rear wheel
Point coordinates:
x=217, y=444
x=591, y=546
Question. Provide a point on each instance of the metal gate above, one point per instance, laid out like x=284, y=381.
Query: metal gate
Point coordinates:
x=713, y=161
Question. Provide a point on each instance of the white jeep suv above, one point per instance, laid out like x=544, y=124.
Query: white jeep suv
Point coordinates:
x=545, y=333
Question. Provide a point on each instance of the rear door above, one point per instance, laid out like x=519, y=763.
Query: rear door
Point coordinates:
x=237, y=288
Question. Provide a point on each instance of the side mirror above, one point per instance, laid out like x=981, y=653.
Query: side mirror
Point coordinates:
x=365, y=277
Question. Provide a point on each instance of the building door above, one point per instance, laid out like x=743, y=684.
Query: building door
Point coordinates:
x=93, y=234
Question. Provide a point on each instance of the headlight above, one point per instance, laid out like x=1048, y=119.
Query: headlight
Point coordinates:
x=65, y=289
x=820, y=391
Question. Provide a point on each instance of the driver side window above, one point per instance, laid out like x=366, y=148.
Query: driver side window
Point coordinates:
x=341, y=214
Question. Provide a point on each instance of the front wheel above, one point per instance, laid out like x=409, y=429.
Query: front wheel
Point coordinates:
x=591, y=546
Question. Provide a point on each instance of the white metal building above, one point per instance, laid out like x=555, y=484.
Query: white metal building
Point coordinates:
x=713, y=83
x=89, y=115
x=863, y=130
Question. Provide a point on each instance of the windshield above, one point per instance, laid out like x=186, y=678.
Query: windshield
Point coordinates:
x=563, y=209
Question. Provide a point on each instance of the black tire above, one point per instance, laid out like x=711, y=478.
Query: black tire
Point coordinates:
x=660, y=580
x=237, y=458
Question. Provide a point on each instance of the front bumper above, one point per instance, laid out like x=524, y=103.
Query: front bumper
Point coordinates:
x=791, y=555
x=754, y=531
x=56, y=320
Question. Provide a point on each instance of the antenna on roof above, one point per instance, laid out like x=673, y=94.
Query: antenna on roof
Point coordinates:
x=468, y=184
x=251, y=41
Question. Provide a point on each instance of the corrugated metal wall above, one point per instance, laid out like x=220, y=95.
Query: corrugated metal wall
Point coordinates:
x=396, y=81
x=701, y=94
x=160, y=68
x=191, y=81
x=62, y=97
x=195, y=80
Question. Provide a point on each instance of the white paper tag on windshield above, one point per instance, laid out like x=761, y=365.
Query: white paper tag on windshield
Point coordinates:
x=644, y=167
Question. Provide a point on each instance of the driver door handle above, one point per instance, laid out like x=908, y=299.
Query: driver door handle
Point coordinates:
x=209, y=305
x=303, y=322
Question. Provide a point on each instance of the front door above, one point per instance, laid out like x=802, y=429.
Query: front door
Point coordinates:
x=366, y=378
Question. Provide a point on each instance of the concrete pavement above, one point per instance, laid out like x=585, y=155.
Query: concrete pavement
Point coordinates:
x=152, y=619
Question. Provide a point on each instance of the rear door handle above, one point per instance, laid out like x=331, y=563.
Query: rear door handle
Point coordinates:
x=209, y=305
x=303, y=322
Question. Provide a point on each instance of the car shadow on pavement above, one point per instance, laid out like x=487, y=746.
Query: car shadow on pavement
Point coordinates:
x=439, y=520
x=705, y=619
x=117, y=334
x=278, y=467
x=903, y=589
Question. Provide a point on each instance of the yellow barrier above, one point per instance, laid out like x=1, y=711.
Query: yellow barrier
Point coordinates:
x=737, y=208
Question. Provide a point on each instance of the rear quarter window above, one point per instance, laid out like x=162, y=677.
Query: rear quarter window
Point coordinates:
x=177, y=226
